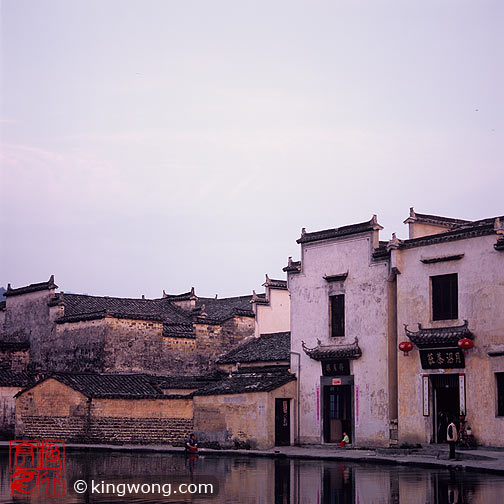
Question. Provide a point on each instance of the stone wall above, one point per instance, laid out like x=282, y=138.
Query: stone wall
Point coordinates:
x=128, y=345
x=27, y=318
x=17, y=360
x=52, y=410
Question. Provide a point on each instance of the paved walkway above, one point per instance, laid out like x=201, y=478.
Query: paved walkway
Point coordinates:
x=434, y=456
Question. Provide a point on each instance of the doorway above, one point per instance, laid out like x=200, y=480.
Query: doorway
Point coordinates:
x=282, y=422
x=337, y=412
x=446, y=404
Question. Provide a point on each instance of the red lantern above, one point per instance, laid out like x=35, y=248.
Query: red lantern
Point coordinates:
x=406, y=346
x=465, y=344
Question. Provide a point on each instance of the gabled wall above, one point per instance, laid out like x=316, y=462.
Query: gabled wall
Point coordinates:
x=480, y=301
x=366, y=317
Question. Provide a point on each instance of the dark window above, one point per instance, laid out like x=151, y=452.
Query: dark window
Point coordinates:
x=338, y=315
x=444, y=297
x=500, y=394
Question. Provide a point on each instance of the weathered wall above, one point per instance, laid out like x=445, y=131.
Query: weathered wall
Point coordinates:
x=27, y=318
x=365, y=291
x=480, y=300
x=79, y=346
x=7, y=411
x=247, y=419
x=53, y=410
x=128, y=345
x=275, y=316
x=17, y=360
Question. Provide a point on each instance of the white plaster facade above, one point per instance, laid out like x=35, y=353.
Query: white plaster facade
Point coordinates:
x=388, y=286
x=470, y=252
x=272, y=310
x=335, y=262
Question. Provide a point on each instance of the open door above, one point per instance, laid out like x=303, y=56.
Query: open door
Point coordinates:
x=282, y=422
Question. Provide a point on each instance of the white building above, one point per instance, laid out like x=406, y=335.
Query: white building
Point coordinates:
x=339, y=327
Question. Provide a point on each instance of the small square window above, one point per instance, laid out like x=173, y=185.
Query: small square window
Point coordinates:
x=337, y=315
x=500, y=393
x=444, y=297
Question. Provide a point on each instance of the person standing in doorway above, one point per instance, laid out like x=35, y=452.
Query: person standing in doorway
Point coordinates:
x=451, y=437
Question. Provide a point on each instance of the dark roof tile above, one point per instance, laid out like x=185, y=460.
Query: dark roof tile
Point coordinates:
x=265, y=348
x=109, y=385
x=10, y=378
x=326, y=234
x=323, y=352
x=31, y=288
x=437, y=337
x=225, y=308
x=84, y=307
x=464, y=231
x=246, y=383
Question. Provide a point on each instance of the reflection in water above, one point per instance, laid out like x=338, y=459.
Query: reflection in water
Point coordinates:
x=264, y=481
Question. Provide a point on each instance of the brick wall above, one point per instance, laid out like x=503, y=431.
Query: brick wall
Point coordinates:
x=108, y=430
x=52, y=410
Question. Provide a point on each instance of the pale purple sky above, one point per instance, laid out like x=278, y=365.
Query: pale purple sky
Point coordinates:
x=149, y=145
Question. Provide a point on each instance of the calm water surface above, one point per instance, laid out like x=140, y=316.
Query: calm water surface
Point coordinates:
x=260, y=480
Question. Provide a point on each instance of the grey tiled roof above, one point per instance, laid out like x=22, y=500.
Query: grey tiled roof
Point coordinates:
x=338, y=232
x=265, y=348
x=245, y=383
x=437, y=219
x=275, y=283
x=292, y=266
x=31, y=288
x=184, y=382
x=225, y=308
x=79, y=307
x=461, y=232
x=438, y=336
x=10, y=378
x=109, y=385
x=323, y=352
x=176, y=321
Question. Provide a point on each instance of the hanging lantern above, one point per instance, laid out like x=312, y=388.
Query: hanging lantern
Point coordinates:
x=465, y=344
x=406, y=346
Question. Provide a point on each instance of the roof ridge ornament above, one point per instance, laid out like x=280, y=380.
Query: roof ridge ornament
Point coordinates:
x=374, y=223
x=394, y=243
x=499, y=226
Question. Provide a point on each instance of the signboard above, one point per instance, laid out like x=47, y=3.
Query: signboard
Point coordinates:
x=462, y=394
x=336, y=381
x=425, y=383
x=336, y=367
x=318, y=404
x=442, y=358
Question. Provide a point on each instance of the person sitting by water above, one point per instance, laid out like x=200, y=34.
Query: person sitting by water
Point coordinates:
x=191, y=445
x=345, y=440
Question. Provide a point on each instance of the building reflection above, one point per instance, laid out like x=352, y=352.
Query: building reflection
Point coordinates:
x=257, y=480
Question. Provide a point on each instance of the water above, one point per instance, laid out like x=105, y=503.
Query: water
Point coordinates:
x=256, y=480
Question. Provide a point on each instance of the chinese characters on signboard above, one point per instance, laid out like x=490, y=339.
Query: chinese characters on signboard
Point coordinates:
x=442, y=358
x=336, y=367
x=37, y=468
x=425, y=383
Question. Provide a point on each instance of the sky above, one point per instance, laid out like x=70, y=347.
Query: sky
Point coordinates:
x=156, y=144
